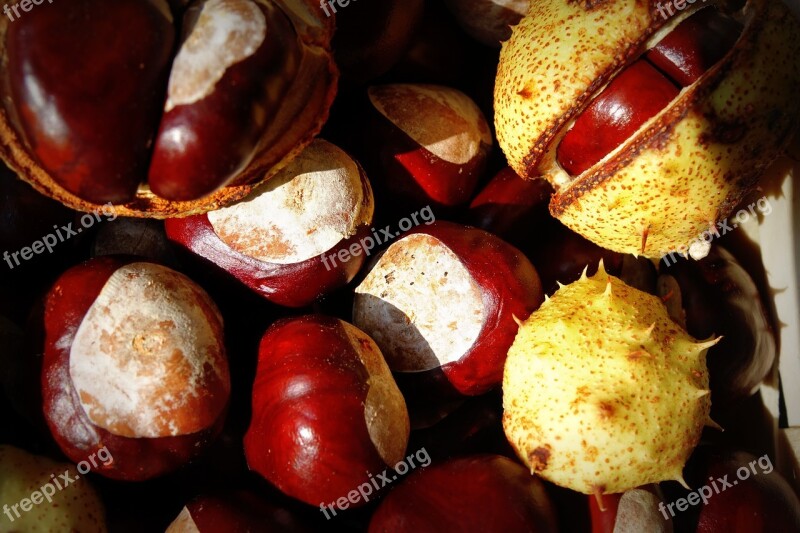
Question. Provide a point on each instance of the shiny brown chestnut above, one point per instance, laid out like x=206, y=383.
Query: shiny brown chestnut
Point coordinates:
x=86, y=90
x=134, y=361
x=256, y=74
x=447, y=298
x=295, y=238
x=227, y=82
x=472, y=493
x=327, y=414
x=716, y=296
x=509, y=206
x=424, y=145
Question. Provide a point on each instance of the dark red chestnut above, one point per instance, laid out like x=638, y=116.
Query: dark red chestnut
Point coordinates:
x=643, y=89
x=299, y=236
x=327, y=414
x=638, y=93
x=227, y=82
x=87, y=81
x=473, y=493
x=447, y=298
x=695, y=45
x=718, y=297
x=99, y=105
x=426, y=145
x=508, y=206
x=133, y=361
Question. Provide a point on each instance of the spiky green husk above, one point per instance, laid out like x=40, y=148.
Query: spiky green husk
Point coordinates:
x=602, y=391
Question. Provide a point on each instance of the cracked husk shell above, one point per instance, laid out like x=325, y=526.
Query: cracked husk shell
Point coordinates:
x=602, y=392
x=684, y=169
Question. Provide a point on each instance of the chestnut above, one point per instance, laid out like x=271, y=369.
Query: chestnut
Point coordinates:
x=295, y=238
x=228, y=81
x=425, y=145
x=134, y=361
x=637, y=94
x=716, y=296
x=257, y=73
x=86, y=90
x=695, y=45
x=472, y=493
x=327, y=414
x=39, y=494
x=637, y=129
x=446, y=298
x=646, y=87
x=509, y=206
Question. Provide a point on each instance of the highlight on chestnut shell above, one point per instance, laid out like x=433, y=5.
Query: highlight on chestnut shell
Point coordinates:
x=134, y=361
x=257, y=73
x=295, y=238
x=327, y=413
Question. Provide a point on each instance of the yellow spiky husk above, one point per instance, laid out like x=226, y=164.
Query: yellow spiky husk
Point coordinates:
x=602, y=392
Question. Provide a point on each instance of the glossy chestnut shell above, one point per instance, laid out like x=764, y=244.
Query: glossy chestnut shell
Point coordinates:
x=74, y=65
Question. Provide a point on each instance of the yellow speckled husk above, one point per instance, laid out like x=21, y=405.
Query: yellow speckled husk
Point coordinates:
x=602, y=392
x=687, y=168
x=558, y=55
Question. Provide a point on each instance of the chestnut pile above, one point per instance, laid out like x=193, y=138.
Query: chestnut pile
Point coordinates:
x=389, y=266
